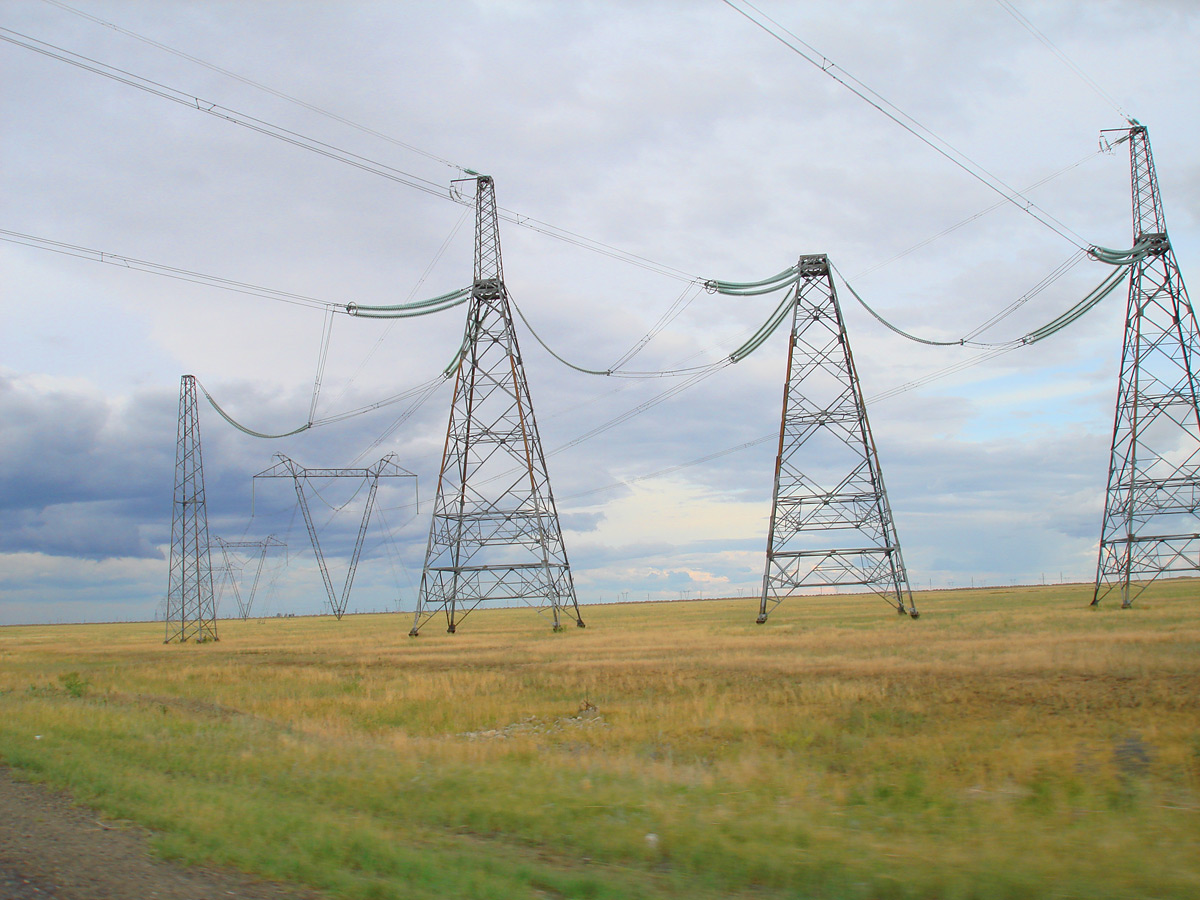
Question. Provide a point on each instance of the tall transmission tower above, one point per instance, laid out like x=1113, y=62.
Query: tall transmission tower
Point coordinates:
x=831, y=523
x=1151, y=507
x=191, y=612
x=495, y=534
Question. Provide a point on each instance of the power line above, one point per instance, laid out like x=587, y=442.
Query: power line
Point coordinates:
x=682, y=302
x=563, y=234
x=1121, y=260
x=669, y=470
x=507, y=215
x=1058, y=272
x=222, y=112
x=939, y=374
x=357, y=310
x=968, y=339
x=421, y=392
x=167, y=271
x=662, y=397
x=664, y=373
x=517, y=219
x=762, y=439
x=322, y=358
x=599, y=247
x=1066, y=60
x=979, y=215
x=395, y=174
x=259, y=85
x=338, y=154
x=441, y=251
x=757, y=339
x=809, y=54
x=421, y=397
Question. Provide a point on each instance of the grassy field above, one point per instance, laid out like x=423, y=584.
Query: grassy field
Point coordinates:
x=1011, y=743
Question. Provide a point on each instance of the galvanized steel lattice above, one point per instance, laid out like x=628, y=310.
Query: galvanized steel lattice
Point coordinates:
x=1152, y=505
x=191, y=612
x=495, y=534
x=831, y=523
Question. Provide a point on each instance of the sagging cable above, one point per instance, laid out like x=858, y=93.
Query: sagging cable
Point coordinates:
x=1134, y=254
x=411, y=310
x=886, y=324
x=766, y=329
x=714, y=285
x=1080, y=309
x=242, y=428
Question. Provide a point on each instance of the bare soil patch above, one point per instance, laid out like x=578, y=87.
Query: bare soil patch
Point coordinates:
x=52, y=848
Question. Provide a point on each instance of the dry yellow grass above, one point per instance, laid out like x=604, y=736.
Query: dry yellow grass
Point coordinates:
x=1010, y=743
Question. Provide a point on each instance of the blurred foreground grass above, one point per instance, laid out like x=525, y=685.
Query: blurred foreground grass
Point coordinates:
x=1011, y=743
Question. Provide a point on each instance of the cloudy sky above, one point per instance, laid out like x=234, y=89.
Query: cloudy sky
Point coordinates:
x=675, y=131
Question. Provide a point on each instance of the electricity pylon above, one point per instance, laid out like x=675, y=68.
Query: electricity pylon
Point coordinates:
x=495, y=533
x=191, y=612
x=385, y=468
x=231, y=570
x=1151, y=507
x=831, y=523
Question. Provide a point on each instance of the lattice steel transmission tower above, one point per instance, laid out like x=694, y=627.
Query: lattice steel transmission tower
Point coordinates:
x=230, y=569
x=831, y=523
x=191, y=611
x=1151, y=525
x=385, y=468
x=495, y=534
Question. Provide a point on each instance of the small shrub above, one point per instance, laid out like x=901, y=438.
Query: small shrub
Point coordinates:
x=73, y=684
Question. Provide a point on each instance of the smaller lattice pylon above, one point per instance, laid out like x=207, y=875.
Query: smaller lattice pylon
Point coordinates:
x=231, y=571
x=191, y=612
x=831, y=523
x=385, y=468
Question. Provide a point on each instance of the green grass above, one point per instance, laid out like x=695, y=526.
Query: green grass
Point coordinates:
x=1011, y=743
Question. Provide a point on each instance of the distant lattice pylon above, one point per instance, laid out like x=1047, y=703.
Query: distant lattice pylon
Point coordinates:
x=831, y=523
x=191, y=611
x=385, y=468
x=231, y=570
x=495, y=534
x=1152, y=505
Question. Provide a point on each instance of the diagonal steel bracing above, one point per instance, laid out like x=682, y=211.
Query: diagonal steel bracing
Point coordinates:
x=191, y=608
x=495, y=533
x=230, y=568
x=1151, y=521
x=831, y=523
x=385, y=468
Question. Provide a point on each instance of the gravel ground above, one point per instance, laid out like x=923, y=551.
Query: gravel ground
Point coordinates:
x=51, y=848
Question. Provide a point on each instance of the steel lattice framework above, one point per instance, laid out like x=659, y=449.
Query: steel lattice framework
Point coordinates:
x=495, y=533
x=191, y=611
x=229, y=568
x=1150, y=512
x=385, y=468
x=831, y=523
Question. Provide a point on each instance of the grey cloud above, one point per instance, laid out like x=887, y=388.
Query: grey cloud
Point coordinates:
x=675, y=130
x=94, y=531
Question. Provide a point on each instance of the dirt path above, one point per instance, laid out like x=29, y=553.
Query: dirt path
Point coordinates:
x=50, y=848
